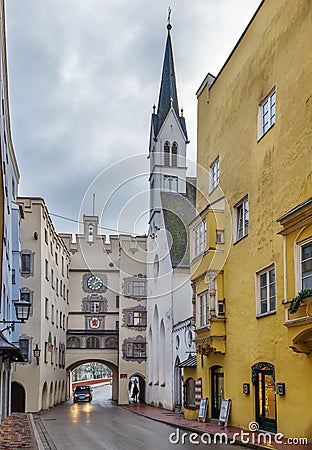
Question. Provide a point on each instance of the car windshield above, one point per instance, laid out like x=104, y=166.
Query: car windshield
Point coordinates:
x=82, y=388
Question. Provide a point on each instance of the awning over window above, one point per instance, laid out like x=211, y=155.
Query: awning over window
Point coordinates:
x=9, y=350
x=189, y=362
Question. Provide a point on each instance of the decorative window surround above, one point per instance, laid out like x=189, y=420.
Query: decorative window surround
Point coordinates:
x=27, y=263
x=94, y=304
x=135, y=287
x=135, y=318
x=134, y=349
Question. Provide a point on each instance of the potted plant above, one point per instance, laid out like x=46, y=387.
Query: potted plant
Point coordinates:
x=296, y=301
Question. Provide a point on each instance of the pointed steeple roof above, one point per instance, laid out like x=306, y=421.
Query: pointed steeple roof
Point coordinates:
x=168, y=96
x=168, y=89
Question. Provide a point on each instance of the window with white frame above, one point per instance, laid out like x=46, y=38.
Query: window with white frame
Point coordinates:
x=267, y=112
x=242, y=218
x=266, y=291
x=306, y=266
x=214, y=174
x=199, y=238
x=203, y=310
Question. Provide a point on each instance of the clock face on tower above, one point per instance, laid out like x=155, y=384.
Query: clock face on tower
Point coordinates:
x=94, y=283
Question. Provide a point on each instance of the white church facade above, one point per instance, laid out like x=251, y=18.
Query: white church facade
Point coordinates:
x=172, y=200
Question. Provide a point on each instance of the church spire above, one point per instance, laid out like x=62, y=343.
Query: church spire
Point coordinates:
x=168, y=89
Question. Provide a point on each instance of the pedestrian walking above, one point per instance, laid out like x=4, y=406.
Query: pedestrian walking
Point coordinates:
x=135, y=392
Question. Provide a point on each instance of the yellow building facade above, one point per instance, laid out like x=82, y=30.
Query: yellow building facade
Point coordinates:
x=251, y=243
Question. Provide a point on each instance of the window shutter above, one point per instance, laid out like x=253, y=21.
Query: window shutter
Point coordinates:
x=129, y=349
x=184, y=394
x=198, y=392
x=130, y=318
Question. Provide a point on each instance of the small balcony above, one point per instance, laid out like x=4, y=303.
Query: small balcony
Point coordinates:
x=299, y=326
x=211, y=339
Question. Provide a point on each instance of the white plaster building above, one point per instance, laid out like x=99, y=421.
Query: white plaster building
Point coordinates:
x=107, y=315
x=172, y=200
x=10, y=236
x=45, y=262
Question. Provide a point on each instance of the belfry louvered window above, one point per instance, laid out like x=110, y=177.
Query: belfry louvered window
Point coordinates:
x=167, y=154
x=174, y=151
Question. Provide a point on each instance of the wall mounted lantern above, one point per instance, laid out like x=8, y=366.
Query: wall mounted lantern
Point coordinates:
x=37, y=352
x=22, y=311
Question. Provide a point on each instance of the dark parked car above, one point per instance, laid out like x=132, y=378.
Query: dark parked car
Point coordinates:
x=82, y=394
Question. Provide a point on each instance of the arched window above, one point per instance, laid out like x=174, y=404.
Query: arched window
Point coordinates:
x=167, y=154
x=73, y=342
x=93, y=342
x=174, y=151
x=190, y=393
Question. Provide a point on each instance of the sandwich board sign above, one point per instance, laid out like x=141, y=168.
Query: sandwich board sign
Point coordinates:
x=224, y=412
x=203, y=408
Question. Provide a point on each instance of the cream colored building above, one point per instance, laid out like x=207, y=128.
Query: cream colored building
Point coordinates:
x=107, y=314
x=40, y=384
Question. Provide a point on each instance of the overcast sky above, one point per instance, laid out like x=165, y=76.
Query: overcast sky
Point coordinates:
x=83, y=77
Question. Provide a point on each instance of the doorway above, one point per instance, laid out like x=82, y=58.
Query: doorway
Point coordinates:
x=17, y=397
x=217, y=390
x=265, y=397
x=177, y=384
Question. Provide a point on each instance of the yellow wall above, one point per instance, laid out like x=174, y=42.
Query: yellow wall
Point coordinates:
x=275, y=172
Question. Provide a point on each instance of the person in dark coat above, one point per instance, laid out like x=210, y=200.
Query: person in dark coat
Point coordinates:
x=135, y=392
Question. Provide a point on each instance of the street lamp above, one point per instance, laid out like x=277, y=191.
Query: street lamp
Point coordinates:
x=22, y=311
x=37, y=352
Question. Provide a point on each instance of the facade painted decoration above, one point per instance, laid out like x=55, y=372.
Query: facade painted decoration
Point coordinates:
x=251, y=240
x=106, y=280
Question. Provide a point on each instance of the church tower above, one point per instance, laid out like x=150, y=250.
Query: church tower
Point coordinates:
x=172, y=196
x=168, y=139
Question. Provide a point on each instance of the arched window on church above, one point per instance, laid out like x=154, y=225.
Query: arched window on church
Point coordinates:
x=167, y=154
x=174, y=152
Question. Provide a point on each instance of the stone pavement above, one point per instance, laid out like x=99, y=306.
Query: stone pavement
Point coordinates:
x=22, y=430
x=17, y=431
x=256, y=439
